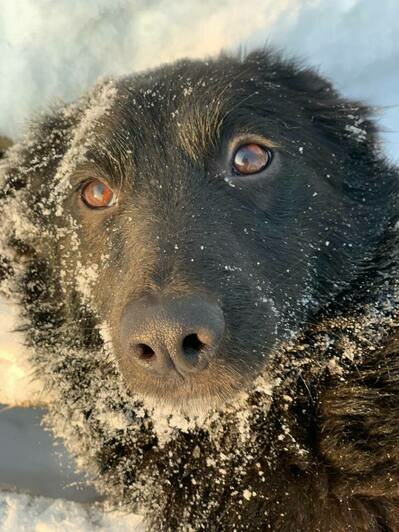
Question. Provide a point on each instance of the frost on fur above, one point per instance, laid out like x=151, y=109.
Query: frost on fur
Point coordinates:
x=299, y=446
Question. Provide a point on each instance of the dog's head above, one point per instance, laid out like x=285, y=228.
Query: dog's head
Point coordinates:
x=204, y=211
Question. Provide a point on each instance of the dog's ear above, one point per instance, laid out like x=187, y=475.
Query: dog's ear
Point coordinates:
x=339, y=132
x=32, y=160
x=30, y=164
x=5, y=143
x=348, y=124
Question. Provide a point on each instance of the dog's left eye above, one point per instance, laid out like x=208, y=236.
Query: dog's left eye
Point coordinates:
x=251, y=159
x=97, y=195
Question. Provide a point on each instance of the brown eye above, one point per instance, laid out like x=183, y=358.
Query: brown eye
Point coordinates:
x=97, y=195
x=251, y=159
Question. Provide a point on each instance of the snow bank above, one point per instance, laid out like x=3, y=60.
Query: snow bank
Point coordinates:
x=353, y=41
x=22, y=513
x=16, y=384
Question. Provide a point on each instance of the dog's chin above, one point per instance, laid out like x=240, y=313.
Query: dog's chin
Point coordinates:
x=194, y=397
x=193, y=408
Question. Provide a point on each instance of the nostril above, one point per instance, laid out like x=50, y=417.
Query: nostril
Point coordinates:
x=144, y=352
x=192, y=344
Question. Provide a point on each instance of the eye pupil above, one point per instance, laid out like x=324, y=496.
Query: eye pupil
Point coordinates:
x=251, y=159
x=97, y=194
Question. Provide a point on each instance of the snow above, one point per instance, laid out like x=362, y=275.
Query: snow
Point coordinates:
x=352, y=41
x=30, y=463
x=23, y=513
x=16, y=383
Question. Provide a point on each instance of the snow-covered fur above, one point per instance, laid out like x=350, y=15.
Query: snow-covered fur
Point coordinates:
x=309, y=442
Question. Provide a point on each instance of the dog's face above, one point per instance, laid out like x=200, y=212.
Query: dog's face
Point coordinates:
x=207, y=213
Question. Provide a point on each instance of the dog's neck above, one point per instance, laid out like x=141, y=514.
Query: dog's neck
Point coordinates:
x=345, y=411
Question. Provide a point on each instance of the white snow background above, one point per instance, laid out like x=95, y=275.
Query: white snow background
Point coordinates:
x=52, y=50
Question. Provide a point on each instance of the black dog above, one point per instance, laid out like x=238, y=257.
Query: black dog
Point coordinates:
x=215, y=240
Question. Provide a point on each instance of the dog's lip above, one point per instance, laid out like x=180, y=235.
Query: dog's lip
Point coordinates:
x=219, y=382
x=176, y=393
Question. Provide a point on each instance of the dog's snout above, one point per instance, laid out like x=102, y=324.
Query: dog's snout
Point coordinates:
x=172, y=335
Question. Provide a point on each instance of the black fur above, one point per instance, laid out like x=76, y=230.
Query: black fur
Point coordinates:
x=302, y=259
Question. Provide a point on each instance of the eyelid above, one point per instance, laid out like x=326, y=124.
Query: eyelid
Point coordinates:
x=82, y=178
x=86, y=180
x=85, y=172
x=250, y=138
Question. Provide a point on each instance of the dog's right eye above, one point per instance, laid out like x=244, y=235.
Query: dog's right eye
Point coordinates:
x=97, y=195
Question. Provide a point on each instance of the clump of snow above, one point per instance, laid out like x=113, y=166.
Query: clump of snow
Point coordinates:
x=85, y=279
x=359, y=134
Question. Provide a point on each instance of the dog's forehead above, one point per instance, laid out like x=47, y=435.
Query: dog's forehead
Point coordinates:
x=186, y=111
x=185, y=107
x=183, y=110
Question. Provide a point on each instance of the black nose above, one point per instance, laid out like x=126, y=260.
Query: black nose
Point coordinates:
x=172, y=334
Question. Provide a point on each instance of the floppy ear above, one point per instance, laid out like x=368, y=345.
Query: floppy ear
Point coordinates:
x=18, y=167
x=32, y=160
x=346, y=123
x=16, y=385
x=342, y=132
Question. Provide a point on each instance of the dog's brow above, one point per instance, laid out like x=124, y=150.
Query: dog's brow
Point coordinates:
x=200, y=128
x=104, y=162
